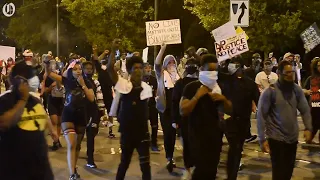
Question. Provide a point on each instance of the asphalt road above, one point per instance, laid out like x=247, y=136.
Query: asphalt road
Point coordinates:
x=107, y=156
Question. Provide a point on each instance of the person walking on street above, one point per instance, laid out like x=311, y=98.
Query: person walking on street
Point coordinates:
x=277, y=125
x=133, y=113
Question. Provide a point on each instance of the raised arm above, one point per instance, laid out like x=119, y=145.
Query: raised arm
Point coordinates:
x=52, y=75
x=158, y=61
x=112, y=60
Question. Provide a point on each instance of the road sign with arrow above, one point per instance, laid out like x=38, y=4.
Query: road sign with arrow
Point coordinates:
x=239, y=12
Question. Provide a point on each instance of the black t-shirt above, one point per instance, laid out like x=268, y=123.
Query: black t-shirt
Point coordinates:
x=176, y=96
x=152, y=81
x=250, y=73
x=70, y=85
x=133, y=115
x=204, y=120
x=241, y=92
x=105, y=81
x=23, y=147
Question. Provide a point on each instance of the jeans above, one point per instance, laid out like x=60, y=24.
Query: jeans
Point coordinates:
x=283, y=157
x=169, y=133
x=127, y=147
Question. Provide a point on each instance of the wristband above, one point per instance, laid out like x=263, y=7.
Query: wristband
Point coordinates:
x=25, y=100
x=195, y=98
x=83, y=87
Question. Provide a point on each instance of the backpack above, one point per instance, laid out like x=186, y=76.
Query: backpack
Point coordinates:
x=273, y=95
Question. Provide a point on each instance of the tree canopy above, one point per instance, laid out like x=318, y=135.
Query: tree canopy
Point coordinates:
x=274, y=24
x=103, y=20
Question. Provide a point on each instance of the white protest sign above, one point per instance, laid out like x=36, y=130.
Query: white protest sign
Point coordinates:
x=145, y=54
x=223, y=32
x=7, y=52
x=231, y=47
x=167, y=31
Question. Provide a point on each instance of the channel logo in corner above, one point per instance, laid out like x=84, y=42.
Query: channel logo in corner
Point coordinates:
x=8, y=9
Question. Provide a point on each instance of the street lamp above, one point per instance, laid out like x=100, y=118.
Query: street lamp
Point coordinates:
x=57, y=28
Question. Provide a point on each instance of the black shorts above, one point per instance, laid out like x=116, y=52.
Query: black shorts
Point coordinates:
x=78, y=116
x=55, y=106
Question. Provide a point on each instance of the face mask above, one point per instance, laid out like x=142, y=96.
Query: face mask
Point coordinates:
x=232, y=68
x=208, y=78
x=147, y=73
x=191, y=69
x=89, y=76
x=185, y=56
x=103, y=67
x=171, y=68
x=34, y=84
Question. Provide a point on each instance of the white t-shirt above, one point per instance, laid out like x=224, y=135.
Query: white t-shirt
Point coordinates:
x=265, y=80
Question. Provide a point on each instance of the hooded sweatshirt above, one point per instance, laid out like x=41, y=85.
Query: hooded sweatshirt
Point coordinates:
x=160, y=74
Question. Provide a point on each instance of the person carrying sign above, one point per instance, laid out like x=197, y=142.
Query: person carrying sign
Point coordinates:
x=312, y=89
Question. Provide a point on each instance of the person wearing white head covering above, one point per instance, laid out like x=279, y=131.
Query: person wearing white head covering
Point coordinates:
x=167, y=75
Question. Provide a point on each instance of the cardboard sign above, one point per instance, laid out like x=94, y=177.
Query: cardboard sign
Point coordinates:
x=239, y=30
x=159, y=32
x=7, y=52
x=145, y=54
x=315, y=89
x=231, y=47
x=311, y=37
x=223, y=32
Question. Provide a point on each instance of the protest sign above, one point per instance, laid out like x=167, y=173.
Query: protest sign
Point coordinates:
x=145, y=54
x=231, y=47
x=311, y=37
x=7, y=52
x=167, y=31
x=223, y=32
x=239, y=30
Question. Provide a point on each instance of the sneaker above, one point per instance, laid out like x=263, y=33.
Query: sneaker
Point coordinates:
x=60, y=146
x=76, y=173
x=155, y=149
x=111, y=135
x=241, y=166
x=73, y=177
x=186, y=175
x=170, y=166
x=55, y=146
x=252, y=138
x=91, y=165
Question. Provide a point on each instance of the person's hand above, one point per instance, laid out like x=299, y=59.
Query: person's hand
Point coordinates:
x=217, y=97
x=163, y=45
x=54, y=136
x=81, y=81
x=265, y=147
x=203, y=90
x=116, y=44
x=308, y=136
x=175, y=125
x=105, y=52
x=254, y=107
x=24, y=90
x=95, y=48
x=306, y=92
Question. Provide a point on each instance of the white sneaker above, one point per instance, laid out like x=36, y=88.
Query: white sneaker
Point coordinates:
x=186, y=175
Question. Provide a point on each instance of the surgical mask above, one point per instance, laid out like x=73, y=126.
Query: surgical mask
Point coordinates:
x=103, y=67
x=208, y=78
x=147, y=73
x=34, y=84
x=232, y=68
x=171, y=69
x=185, y=56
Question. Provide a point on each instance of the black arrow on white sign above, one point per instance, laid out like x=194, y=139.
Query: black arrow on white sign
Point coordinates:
x=243, y=7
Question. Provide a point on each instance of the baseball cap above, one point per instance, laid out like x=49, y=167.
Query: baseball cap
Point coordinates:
x=288, y=54
x=202, y=51
x=256, y=55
